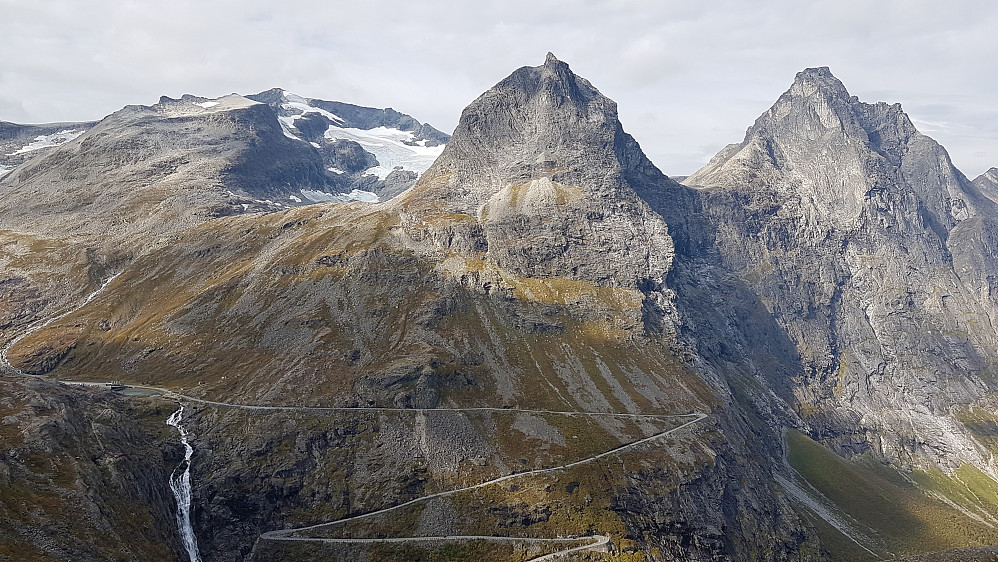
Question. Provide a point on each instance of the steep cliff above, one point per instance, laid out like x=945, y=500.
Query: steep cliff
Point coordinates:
x=875, y=255
x=83, y=475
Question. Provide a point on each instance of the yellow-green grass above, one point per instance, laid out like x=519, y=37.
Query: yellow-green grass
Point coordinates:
x=902, y=513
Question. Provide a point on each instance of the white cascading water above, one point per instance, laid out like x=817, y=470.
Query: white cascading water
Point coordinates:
x=181, y=486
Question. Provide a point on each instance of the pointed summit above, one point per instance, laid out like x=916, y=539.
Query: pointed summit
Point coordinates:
x=542, y=121
x=818, y=78
x=540, y=176
x=835, y=152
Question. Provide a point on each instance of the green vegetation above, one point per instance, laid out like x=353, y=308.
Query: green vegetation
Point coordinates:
x=901, y=514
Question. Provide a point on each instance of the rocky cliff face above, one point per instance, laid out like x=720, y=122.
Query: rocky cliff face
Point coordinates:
x=865, y=244
x=76, y=465
x=538, y=180
x=987, y=183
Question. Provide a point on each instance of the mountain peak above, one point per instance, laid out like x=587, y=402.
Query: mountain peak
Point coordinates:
x=536, y=158
x=550, y=59
x=540, y=121
x=817, y=74
x=820, y=84
x=838, y=154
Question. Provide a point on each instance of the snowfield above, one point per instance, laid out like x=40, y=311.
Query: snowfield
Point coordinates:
x=392, y=147
x=355, y=195
x=48, y=141
x=389, y=146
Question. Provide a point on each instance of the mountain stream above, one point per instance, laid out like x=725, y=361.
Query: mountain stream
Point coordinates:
x=181, y=486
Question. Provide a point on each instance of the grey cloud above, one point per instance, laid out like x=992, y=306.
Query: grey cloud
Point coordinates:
x=703, y=72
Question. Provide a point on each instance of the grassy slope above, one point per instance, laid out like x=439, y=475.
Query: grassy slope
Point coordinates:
x=299, y=306
x=902, y=514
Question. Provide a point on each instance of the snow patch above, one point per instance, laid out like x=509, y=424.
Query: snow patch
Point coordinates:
x=295, y=199
x=48, y=141
x=355, y=195
x=336, y=170
x=315, y=144
x=288, y=126
x=207, y=104
x=4, y=170
x=392, y=148
x=297, y=103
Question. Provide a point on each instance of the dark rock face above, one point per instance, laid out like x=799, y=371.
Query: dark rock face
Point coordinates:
x=865, y=244
x=76, y=465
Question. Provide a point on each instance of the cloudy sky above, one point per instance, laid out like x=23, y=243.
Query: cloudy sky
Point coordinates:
x=689, y=77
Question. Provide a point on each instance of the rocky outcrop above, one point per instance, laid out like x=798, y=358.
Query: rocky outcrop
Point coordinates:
x=873, y=253
x=80, y=464
x=539, y=180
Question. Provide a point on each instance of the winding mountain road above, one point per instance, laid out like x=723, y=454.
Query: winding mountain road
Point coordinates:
x=599, y=540
x=590, y=542
x=5, y=364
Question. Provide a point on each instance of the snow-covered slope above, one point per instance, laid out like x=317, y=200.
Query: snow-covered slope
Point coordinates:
x=19, y=143
x=48, y=141
x=376, y=150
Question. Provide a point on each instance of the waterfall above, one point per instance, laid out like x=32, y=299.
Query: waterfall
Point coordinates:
x=181, y=486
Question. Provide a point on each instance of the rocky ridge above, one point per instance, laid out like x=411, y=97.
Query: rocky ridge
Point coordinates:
x=865, y=243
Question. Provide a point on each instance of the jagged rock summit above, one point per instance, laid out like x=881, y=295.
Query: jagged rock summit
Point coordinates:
x=837, y=152
x=988, y=183
x=538, y=179
x=867, y=243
